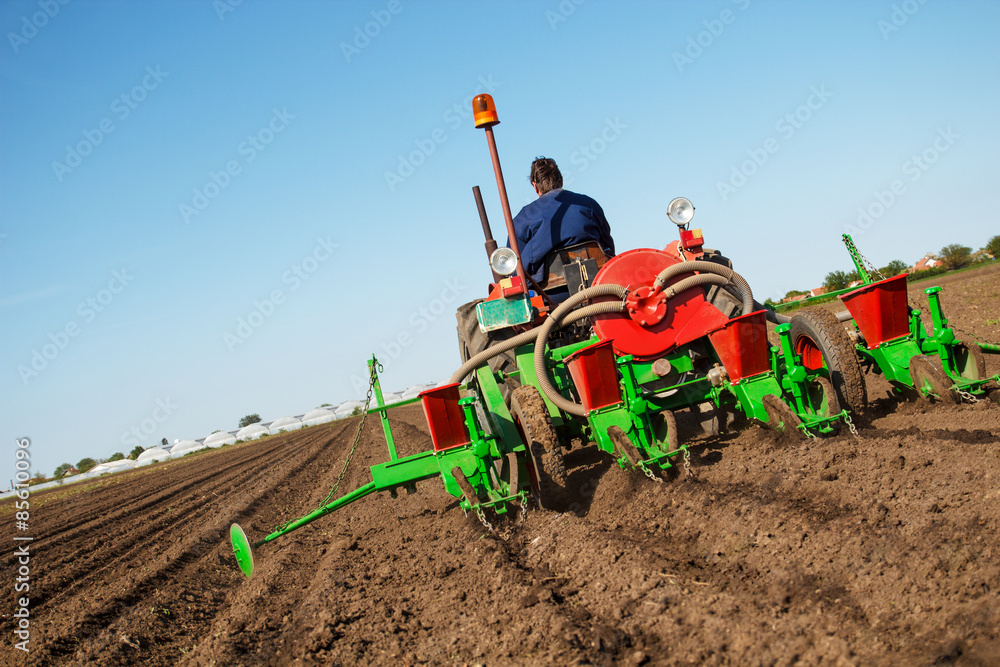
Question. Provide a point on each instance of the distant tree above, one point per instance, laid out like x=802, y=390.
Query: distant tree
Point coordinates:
x=955, y=255
x=894, y=268
x=62, y=469
x=794, y=292
x=164, y=443
x=836, y=280
x=134, y=454
x=117, y=456
x=993, y=247
x=770, y=303
x=249, y=419
x=85, y=464
x=38, y=477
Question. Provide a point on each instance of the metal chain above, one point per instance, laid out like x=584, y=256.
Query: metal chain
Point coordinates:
x=965, y=395
x=851, y=246
x=354, y=445
x=850, y=425
x=687, y=463
x=649, y=474
x=357, y=435
x=969, y=337
x=482, y=519
x=809, y=434
x=511, y=527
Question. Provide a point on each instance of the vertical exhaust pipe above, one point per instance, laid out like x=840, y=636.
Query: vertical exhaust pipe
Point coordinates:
x=491, y=244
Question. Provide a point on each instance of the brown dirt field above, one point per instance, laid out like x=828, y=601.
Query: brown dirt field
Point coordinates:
x=878, y=550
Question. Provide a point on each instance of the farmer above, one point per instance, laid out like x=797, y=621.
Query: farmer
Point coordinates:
x=557, y=219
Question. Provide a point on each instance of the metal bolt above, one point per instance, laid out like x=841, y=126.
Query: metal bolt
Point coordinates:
x=661, y=367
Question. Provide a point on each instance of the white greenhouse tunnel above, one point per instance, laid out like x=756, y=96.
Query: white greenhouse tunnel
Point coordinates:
x=345, y=409
x=251, y=432
x=219, y=439
x=185, y=446
x=316, y=417
x=285, y=424
x=152, y=456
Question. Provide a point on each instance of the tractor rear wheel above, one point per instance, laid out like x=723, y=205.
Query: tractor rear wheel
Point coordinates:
x=472, y=341
x=822, y=342
x=545, y=456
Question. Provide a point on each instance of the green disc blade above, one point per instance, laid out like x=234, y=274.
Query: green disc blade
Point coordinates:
x=241, y=546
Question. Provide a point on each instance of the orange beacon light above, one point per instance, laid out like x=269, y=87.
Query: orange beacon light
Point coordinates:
x=484, y=111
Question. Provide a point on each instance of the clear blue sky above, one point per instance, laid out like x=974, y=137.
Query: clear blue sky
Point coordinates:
x=276, y=124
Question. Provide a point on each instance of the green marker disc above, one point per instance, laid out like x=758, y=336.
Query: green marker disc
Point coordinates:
x=241, y=546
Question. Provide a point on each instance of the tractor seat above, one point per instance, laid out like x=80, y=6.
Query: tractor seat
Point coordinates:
x=573, y=267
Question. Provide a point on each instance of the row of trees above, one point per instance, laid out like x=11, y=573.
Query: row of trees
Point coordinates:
x=836, y=280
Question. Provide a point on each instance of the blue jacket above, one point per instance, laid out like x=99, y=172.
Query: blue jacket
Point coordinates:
x=559, y=219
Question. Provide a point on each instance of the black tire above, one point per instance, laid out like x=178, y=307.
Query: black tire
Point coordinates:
x=821, y=340
x=545, y=456
x=472, y=341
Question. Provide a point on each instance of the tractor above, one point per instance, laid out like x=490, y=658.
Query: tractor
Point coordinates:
x=607, y=350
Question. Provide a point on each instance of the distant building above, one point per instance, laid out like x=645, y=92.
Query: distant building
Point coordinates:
x=797, y=297
x=817, y=291
x=928, y=261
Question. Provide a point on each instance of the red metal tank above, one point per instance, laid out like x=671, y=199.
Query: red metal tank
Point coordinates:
x=668, y=322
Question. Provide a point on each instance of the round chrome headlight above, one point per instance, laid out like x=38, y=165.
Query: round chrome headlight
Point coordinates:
x=503, y=261
x=680, y=211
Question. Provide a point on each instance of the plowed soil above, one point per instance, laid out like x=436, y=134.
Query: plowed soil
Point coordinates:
x=881, y=549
